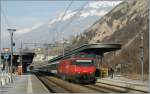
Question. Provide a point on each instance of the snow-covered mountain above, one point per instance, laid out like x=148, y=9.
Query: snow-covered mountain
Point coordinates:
x=73, y=23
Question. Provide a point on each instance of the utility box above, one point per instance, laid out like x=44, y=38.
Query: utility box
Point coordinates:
x=104, y=72
x=20, y=72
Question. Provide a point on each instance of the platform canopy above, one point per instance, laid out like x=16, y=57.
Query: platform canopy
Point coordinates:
x=95, y=48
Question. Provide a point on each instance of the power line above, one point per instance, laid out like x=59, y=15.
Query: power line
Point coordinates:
x=62, y=30
x=31, y=6
x=62, y=17
x=74, y=17
x=66, y=11
x=71, y=20
x=0, y=41
x=7, y=22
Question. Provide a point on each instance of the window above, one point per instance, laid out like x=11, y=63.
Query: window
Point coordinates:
x=83, y=63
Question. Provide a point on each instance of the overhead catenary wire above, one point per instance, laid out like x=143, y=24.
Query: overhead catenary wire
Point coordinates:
x=0, y=45
x=66, y=11
x=62, y=17
x=62, y=30
x=6, y=19
x=74, y=17
x=55, y=35
x=8, y=24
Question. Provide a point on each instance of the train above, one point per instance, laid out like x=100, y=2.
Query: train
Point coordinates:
x=79, y=65
x=74, y=69
x=80, y=70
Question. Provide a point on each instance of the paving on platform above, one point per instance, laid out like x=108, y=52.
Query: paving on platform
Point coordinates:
x=125, y=82
x=24, y=84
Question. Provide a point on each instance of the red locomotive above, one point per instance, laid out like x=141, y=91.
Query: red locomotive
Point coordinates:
x=81, y=70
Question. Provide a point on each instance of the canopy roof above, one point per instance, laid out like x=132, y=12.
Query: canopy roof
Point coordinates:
x=96, y=48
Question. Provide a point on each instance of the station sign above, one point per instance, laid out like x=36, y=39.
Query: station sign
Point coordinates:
x=6, y=56
x=6, y=49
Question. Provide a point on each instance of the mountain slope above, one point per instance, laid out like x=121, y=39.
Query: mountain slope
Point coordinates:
x=122, y=24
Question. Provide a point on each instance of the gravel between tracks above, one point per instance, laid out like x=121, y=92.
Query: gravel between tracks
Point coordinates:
x=57, y=85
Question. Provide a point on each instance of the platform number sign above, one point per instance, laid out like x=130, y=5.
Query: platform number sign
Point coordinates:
x=6, y=56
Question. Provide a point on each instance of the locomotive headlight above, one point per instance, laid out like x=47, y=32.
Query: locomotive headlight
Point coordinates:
x=90, y=72
x=79, y=72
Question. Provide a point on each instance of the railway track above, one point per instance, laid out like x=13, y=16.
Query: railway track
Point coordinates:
x=101, y=89
x=122, y=89
x=110, y=88
x=56, y=85
x=53, y=87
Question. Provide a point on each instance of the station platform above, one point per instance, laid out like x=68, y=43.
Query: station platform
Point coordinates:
x=125, y=82
x=24, y=84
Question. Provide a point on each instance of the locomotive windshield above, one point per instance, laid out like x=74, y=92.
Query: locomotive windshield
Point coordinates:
x=84, y=62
